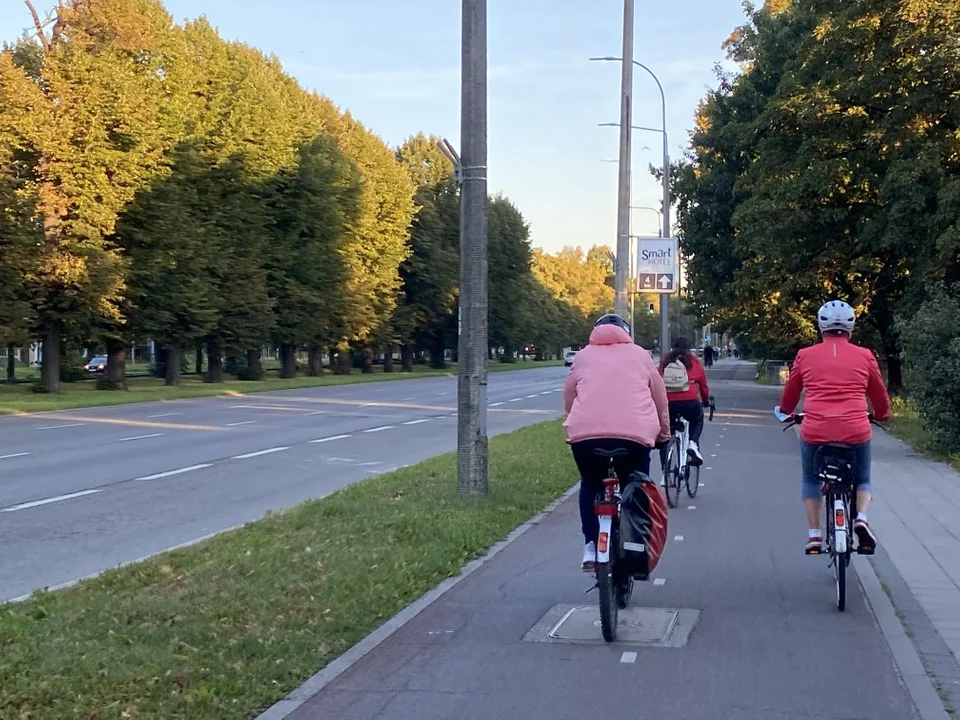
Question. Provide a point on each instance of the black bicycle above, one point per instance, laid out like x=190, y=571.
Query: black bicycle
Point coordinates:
x=835, y=466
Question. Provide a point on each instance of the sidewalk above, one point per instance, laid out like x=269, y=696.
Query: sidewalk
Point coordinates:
x=916, y=514
x=737, y=625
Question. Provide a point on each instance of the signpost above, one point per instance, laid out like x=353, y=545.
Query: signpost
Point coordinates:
x=658, y=266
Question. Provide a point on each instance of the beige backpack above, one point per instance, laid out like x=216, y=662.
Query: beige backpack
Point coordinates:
x=675, y=377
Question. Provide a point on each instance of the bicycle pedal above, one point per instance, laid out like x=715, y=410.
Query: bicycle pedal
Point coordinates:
x=588, y=590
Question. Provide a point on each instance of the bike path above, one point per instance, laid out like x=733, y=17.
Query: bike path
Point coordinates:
x=767, y=643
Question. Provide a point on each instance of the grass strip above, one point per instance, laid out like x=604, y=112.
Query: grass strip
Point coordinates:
x=225, y=628
x=21, y=399
x=906, y=424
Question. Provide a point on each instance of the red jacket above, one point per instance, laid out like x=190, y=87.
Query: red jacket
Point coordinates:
x=837, y=376
x=698, y=389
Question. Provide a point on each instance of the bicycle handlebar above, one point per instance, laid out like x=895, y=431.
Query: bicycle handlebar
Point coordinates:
x=797, y=418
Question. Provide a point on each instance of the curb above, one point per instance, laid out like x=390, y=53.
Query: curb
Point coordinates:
x=911, y=669
x=313, y=685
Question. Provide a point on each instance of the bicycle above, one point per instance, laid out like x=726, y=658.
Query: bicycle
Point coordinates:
x=834, y=463
x=614, y=588
x=677, y=470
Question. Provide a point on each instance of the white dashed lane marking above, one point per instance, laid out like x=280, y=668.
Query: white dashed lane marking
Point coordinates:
x=178, y=471
x=330, y=439
x=13, y=455
x=161, y=415
x=47, y=501
x=242, y=422
x=57, y=427
x=417, y=422
x=379, y=429
x=140, y=437
x=659, y=581
x=258, y=453
x=628, y=657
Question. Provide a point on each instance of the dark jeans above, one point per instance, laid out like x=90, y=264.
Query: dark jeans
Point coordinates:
x=593, y=470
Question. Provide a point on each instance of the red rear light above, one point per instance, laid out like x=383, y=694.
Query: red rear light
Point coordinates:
x=840, y=518
x=602, y=542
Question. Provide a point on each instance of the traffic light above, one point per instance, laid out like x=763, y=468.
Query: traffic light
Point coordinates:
x=650, y=310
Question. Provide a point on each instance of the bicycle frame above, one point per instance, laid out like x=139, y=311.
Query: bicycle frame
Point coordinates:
x=683, y=437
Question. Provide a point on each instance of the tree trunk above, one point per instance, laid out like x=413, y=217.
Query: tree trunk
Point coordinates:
x=116, y=374
x=214, y=363
x=172, y=357
x=11, y=367
x=332, y=354
x=367, y=360
x=406, y=358
x=288, y=361
x=344, y=361
x=437, y=359
x=50, y=362
x=315, y=361
x=254, y=362
x=894, y=373
x=388, y=359
x=198, y=361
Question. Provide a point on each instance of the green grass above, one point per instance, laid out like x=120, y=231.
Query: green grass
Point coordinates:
x=21, y=399
x=906, y=424
x=223, y=629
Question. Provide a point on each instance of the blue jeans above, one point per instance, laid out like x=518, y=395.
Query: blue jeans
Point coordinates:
x=811, y=483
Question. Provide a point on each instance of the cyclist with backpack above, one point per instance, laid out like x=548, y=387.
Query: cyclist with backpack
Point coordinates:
x=687, y=392
x=614, y=398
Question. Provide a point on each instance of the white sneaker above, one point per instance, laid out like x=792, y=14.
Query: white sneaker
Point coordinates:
x=589, y=556
x=693, y=451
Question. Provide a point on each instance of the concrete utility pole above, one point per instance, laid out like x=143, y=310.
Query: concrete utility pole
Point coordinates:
x=621, y=299
x=473, y=347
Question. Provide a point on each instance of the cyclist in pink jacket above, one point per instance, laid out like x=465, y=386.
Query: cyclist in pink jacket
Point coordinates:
x=614, y=397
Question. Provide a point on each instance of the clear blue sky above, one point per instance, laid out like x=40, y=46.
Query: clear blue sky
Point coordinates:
x=395, y=64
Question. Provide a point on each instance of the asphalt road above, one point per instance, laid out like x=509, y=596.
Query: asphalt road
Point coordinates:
x=86, y=490
x=767, y=643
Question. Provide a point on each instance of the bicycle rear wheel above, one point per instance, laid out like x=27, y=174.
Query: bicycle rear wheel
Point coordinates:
x=608, y=602
x=671, y=473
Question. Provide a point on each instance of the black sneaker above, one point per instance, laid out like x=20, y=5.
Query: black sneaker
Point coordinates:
x=866, y=540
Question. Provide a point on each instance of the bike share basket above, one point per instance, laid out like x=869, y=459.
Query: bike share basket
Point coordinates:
x=643, y=526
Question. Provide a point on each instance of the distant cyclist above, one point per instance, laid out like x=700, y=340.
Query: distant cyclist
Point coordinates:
x=614, y=398
x=837, y=376
x=687, y=392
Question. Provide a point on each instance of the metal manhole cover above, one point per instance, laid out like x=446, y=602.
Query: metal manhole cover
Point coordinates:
x=655, y=627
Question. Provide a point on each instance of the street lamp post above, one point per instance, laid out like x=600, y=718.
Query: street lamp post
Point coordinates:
x=472, y=354
x=622, y=268
x=664, y=299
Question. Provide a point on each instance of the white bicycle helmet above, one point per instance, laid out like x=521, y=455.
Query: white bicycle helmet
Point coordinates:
x=836, y=315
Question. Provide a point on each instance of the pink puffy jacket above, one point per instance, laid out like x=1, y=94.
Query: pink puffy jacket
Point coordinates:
x=615, y=391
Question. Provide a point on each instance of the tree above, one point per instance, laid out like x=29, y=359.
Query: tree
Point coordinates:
x=81, y=106
x=171, y=243
x=425, y=315
x=508, y=243
x=315, y=206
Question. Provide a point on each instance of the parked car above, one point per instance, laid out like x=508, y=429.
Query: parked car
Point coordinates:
x=568, y=357
x=96, y=365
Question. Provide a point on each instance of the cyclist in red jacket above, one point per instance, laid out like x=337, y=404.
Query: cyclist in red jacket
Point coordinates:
x=837, y=376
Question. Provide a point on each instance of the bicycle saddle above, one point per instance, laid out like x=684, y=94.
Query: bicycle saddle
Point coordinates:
x=609, y=454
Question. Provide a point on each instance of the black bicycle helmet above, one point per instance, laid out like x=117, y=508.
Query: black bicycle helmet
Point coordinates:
x=613, y=319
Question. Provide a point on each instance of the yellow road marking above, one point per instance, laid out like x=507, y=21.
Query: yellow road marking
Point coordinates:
x=132, y=423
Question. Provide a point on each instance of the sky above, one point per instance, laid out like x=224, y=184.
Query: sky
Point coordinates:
x=395, y=65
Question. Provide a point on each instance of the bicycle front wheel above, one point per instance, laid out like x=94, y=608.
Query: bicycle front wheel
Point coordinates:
x=840, y=566
x=671, y=473
x=608, y=602
x=693, y=480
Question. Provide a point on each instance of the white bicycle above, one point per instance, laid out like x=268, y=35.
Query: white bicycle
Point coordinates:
x=674, y=460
